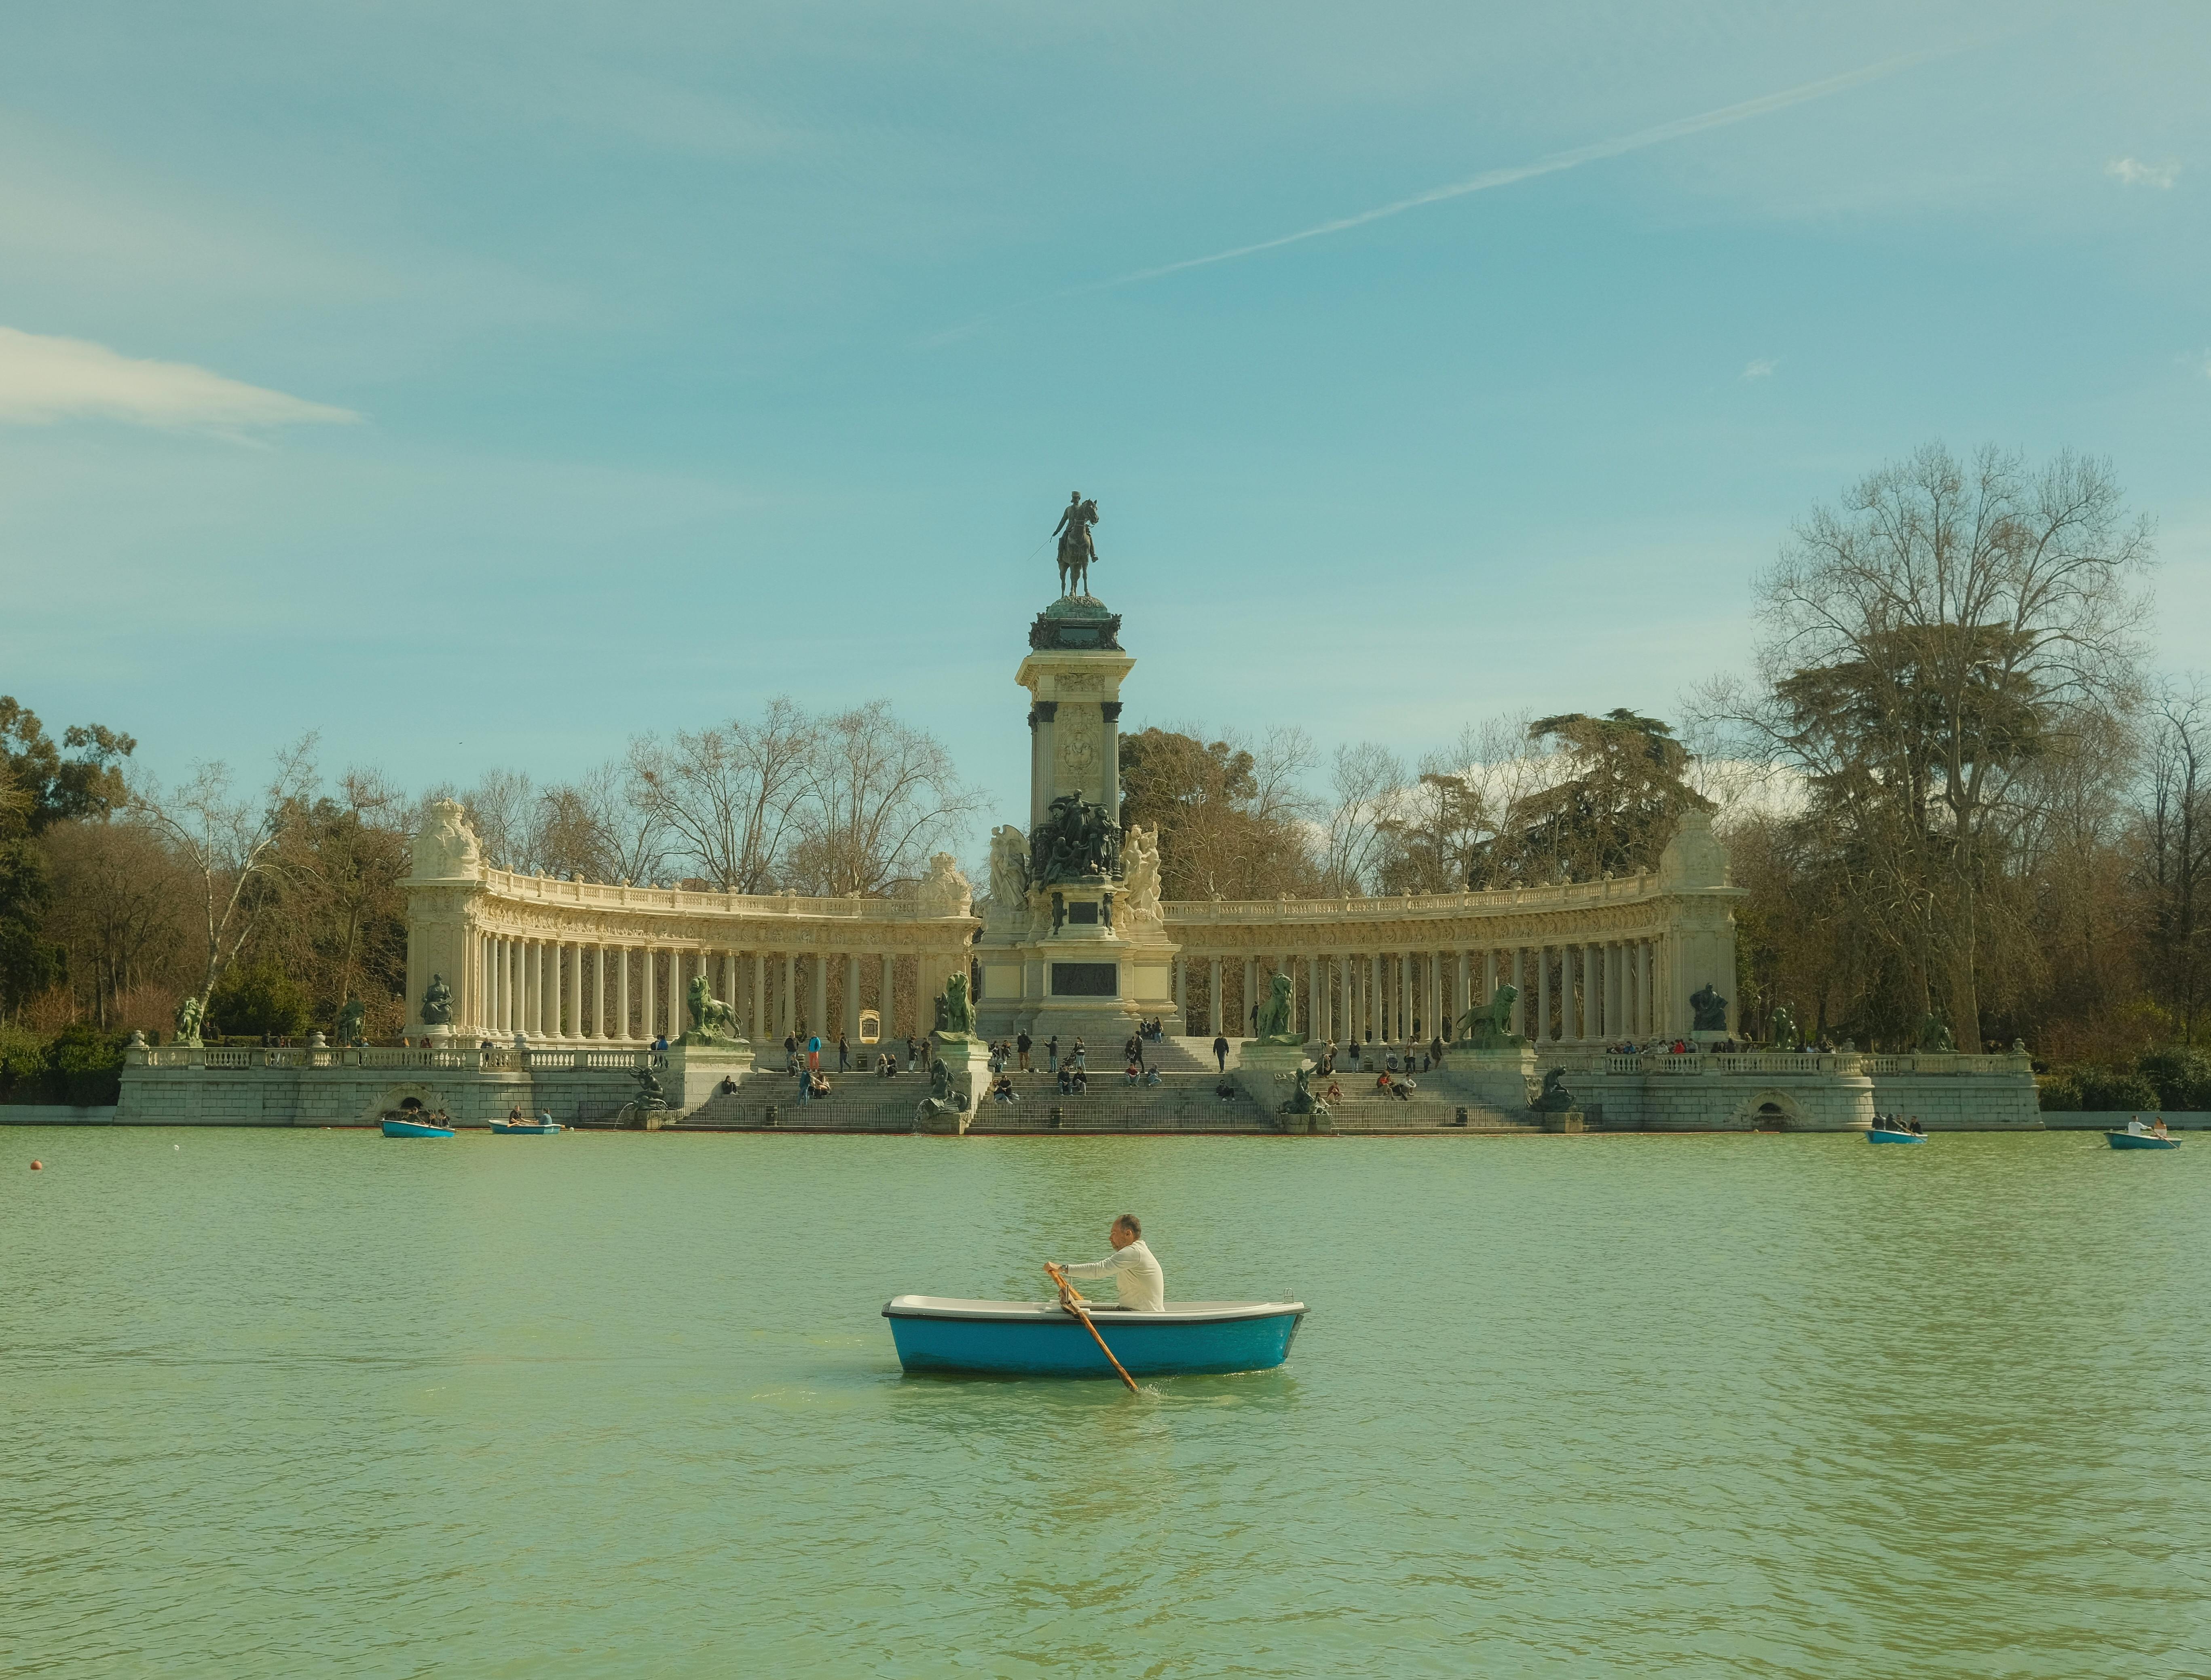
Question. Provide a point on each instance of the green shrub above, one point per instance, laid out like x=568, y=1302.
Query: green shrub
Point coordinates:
x=2182, y=1075
x=85, y=1066
x=2105, y=1090
x=250, y=1002
x=22, y=1065
x=2060, y=1092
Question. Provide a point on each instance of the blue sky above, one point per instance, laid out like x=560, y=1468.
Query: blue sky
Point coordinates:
x=483, y=386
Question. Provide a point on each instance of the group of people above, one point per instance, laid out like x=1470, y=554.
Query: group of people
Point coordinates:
x=1898, y=1123
x=2154, y=1129
x=813, y=1049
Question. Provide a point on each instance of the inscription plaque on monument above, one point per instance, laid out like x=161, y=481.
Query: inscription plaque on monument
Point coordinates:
x=1086, y=979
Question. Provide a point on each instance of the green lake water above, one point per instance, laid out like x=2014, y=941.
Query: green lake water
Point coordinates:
x=282, y=1404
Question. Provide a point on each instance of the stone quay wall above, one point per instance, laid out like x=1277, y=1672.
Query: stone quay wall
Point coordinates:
x=1711, y=1091
x=182, y=1086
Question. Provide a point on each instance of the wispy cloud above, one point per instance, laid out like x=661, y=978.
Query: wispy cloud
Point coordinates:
x=2133, y=172
x=44, y=380
x=1762, y=368
x=1679, y=128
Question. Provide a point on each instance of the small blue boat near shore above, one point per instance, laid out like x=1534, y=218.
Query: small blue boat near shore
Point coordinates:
x=1883, y=1134
x=1039, y=1339
x=531, y=1128
x=414, y=1128
x=2140, y=1140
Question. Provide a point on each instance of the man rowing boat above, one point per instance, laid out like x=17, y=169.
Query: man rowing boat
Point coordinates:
x=1138, y=1283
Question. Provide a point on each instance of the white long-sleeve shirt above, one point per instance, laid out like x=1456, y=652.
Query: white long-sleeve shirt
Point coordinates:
x=1138, y=1283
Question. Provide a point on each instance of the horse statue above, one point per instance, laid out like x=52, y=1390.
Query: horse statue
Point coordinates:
x=711, y=1017
x=1935, y=1037
x=1489, y=1028
x=1076, y=549
x=1277, y=1014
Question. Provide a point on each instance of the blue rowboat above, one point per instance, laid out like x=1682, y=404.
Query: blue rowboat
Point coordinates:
x=410, y=1128
x=529, y=1129
x=2140, y=1140
x=1882, y=1134
x=1039, y=1338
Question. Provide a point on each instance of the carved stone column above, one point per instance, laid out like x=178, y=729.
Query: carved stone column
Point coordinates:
x=1044, y=717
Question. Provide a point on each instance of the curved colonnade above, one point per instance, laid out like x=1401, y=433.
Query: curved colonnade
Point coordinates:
x=576, y=962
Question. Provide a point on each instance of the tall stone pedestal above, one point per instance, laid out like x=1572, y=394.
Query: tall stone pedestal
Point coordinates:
x=1267, y=1075
x=695, y=1071
x=967, y=1061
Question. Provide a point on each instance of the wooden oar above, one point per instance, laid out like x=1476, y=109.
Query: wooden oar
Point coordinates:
x=1072, y=1300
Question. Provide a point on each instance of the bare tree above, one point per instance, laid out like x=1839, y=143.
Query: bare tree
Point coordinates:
x=596, y=830
x=1367, y=783
x=502, y=809
x=2177, y=847
x=1923, y=643
x=728, y=798
x=121, y=909
x=228, y=844
x=880, y=795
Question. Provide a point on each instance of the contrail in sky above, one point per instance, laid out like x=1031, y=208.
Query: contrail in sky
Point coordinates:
x=1503, y=178
x=1550, y=166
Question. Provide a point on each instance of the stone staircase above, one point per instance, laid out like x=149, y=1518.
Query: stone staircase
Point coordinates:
x=1185, y=1100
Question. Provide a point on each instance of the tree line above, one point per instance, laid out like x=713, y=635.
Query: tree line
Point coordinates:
x=278, y=901
x=1960, y=804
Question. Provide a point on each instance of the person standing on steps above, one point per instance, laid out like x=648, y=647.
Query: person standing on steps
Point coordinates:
x=1052, y=1054
x=1021, y=1047
x=1221, y=1051
x=844, y=1054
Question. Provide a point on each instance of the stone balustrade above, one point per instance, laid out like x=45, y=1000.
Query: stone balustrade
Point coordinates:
x=499, y=1058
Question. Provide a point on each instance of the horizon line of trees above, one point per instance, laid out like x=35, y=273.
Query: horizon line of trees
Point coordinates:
x=1950, y=788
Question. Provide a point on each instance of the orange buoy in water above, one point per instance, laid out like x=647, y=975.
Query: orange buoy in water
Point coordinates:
x=38, y=1166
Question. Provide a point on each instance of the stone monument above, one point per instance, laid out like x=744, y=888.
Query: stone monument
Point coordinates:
x=1075, y=942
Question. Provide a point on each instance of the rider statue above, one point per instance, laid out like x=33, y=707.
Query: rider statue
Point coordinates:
x=1076, y=549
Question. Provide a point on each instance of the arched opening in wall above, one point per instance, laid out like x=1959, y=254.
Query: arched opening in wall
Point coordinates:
x=407, y=1100
x=1770, y=1118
